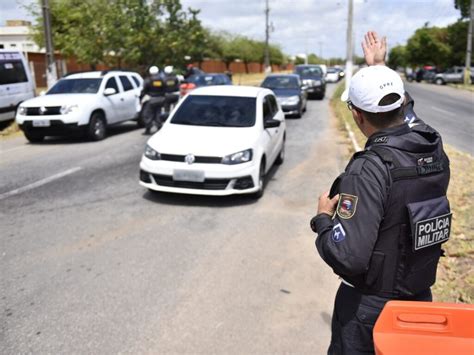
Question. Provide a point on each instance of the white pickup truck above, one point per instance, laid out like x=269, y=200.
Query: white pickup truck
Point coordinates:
x=452, y=75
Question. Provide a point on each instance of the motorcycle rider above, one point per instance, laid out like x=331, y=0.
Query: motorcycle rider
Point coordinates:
x=153, y=98
x=171, y=88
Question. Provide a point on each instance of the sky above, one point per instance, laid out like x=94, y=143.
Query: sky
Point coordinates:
x=307, y=26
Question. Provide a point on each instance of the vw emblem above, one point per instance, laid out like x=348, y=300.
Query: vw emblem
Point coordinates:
x=43, y=110
x=189, y=159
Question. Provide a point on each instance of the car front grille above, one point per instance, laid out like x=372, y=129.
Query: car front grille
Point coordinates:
x=39, y=111
x=197, y=159
x=208, y=184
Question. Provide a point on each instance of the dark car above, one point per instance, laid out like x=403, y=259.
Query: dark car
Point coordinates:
x=290, y=92
x=205, y=79
x=313, y=77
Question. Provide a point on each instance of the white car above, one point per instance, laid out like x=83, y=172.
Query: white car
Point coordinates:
x=219, y=140
x=84, y=102
x=332, y=76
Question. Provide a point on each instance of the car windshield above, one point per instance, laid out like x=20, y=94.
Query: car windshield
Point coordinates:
x=218, y=111
x=309, y=71
x=204, y=80
x=75, y=86
x=280, y=82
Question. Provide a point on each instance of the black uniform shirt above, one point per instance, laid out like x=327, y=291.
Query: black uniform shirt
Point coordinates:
x=346, y=242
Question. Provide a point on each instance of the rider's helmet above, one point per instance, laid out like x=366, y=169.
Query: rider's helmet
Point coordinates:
x=168, y=69
x=153, y=70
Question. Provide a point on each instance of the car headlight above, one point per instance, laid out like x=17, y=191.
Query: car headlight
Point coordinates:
x=291, y=100
x=65, y=109
x=238, y=158
x=22, y=110
x=317, y=82
x=152, y=154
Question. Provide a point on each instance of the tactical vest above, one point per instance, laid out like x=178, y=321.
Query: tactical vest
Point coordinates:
x=416, y=220
x=156, y=86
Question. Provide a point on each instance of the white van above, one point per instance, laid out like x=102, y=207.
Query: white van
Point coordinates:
x=16, y=83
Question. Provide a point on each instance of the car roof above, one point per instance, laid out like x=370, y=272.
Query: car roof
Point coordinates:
x=283, y=75
x=229, y=90
x=95, y=74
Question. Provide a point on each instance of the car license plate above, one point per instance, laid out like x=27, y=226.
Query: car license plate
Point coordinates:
x=41, y=123
x=188, y=175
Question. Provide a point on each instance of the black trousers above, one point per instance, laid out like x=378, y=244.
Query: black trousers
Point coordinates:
x=354, y=318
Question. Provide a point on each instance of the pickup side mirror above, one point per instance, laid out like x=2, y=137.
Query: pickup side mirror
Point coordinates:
x=271, y=123
x=109, y=91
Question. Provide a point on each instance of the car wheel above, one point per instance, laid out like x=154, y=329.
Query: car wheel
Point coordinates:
x=439, y=81
x=34, y=137
x=305, y=107
x=281, y=156
x=261, y=181
x=97, y=129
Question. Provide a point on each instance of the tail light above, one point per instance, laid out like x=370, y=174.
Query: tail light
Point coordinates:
x=185, y=88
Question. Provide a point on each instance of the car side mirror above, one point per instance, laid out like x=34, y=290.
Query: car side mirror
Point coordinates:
x=271, y=123
x=109, y=91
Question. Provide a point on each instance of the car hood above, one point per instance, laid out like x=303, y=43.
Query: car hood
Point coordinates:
x=59, y=100
x=204, y=141
x=286, y=92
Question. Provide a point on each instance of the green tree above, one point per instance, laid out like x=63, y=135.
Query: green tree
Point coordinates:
x=397, y=57
x=428, y=46
x=457, y=39
x=464, y=6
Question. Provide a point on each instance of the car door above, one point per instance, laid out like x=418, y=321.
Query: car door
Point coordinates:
x=113, y=103
x=129, y=103
x=271, y=111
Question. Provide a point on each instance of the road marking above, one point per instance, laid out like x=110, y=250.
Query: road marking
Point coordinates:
x=443, y=111
x=12, y=149
x=39, y=183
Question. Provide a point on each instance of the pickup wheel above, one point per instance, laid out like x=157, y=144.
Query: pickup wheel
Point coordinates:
x=97, y=129
x=439, y=81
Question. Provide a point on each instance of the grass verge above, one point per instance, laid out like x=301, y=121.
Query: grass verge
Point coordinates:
x=455, y=281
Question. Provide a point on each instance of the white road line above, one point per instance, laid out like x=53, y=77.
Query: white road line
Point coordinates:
x=39, y=183
x=443, y=111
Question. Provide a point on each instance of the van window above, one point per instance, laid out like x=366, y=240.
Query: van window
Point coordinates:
x=12, y=71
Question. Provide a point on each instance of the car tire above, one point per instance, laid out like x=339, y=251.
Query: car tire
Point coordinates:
x=34, y=137
x=261, y=181
x=97, y=129
x=281, y=156
x=439, y=81
x=305, y=107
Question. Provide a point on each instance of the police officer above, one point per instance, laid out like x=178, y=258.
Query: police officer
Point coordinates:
x=171, y=88
x=381, y=225
x=154, y=88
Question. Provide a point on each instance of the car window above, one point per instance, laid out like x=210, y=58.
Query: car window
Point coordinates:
x=280, y=82
x=273, y=104
x=267, y=108
x=204, y=80
x=218, y=111
x=309, y=71
x=127, y=85
x=11, y=70
x=76, y=86
x=135, y=79
x=112, y=83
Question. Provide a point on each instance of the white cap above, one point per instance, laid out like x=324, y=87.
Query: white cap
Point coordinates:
x=168, y=69
x=369, y=85
x=153, y=70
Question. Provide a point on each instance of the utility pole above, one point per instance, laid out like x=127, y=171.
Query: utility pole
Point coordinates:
x=467, y=70
x=349, y=45
x=267, y=37
x=51, y=74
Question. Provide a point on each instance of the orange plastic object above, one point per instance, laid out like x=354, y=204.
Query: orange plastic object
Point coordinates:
x=406, y=327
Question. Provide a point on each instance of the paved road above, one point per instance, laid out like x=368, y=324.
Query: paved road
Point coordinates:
x=449, y=110
x=93, y=263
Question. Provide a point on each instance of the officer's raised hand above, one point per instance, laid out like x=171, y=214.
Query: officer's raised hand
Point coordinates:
x=374, y=48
